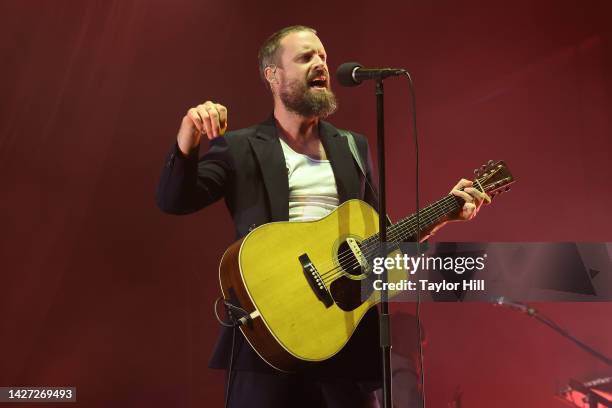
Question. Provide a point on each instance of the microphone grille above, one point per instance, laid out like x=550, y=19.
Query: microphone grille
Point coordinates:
x=344, y=73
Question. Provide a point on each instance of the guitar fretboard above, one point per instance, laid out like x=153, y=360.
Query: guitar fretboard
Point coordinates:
x=406, y=228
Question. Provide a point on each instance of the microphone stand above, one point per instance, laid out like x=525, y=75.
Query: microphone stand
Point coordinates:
x=385, y=323
x=532, y=312
x=594, y=399
x=601, y=357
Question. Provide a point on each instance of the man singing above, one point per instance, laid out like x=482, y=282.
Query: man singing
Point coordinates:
x=293, y=166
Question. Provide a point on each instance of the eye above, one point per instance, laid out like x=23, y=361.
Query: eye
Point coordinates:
x=309, y=56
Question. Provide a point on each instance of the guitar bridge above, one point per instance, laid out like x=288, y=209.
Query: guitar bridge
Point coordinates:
x=315, y=281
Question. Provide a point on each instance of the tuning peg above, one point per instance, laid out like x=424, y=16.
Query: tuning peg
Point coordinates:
x=477, y=172
x=490, y=162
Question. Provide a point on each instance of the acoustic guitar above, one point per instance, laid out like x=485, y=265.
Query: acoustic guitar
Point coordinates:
x=301, y=282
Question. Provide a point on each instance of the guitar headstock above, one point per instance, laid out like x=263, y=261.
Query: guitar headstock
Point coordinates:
x=493, y=178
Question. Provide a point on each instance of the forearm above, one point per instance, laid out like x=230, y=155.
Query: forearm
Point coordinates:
x=430, y=231
x=186, y=186
x=177, y=182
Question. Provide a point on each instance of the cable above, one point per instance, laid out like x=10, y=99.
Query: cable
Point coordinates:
x=233, y=324
x=418, y=232
x=221, y=322
x=230, y=369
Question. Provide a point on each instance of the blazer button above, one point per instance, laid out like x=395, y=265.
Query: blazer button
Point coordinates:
x=252, y=227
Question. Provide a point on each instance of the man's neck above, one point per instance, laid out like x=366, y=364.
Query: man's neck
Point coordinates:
x=297, y=128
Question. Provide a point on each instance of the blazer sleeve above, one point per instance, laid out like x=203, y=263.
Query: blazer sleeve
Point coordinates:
x=188, y=184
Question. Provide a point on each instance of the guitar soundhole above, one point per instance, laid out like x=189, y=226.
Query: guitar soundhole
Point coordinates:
x=346, y=291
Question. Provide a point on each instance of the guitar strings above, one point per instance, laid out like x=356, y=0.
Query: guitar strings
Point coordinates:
x=430, y=213
x=442, y=203
x=403, y=225
x=373, y=246
x=396, y=231
x=408, y=224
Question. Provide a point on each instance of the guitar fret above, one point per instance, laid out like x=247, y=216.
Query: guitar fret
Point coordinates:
x=493, y=177
x=406, y=228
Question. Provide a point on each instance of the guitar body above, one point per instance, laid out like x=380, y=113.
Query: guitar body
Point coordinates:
x=263, y=274
x=307, y=285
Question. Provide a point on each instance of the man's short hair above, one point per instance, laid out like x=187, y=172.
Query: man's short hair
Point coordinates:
x=268, y=53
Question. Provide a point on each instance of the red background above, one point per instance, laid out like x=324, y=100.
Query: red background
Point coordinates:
x=102, y=291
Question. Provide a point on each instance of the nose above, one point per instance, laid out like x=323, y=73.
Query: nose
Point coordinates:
x=319, y=62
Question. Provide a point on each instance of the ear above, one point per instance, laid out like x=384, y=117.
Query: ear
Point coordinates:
x=270, y=74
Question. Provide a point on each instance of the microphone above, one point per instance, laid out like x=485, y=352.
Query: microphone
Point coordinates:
x=521, y=307
x=353, y=73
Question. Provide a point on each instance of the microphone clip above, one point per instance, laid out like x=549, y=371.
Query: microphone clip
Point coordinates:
x=237, y=315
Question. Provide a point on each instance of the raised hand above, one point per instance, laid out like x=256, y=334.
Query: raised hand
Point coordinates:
x=208, y=119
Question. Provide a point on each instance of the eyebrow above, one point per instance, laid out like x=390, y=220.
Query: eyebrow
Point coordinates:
x=307, y=52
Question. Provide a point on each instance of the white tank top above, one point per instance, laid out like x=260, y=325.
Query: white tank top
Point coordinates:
x=312, y=186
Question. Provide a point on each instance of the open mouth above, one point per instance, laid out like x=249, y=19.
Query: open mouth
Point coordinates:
x=320, y=83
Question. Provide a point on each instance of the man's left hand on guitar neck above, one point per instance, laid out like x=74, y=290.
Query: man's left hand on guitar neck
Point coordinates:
x=473, y=198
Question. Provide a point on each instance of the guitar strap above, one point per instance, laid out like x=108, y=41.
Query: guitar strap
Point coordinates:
x=353, y=147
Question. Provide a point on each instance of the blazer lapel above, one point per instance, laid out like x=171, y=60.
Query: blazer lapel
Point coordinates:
x=269, y=154
x=271, y=158
x=341, y=159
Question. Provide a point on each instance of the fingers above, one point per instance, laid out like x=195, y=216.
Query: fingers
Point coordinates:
x=473, y=198
x=195, y=118
x=478, y=196
x=462, y=184
x=464, y=195
x=205, y=118
x=222, y=117
x=465, y=190
x=209, y=118
x=469, y=211
x=213, y=114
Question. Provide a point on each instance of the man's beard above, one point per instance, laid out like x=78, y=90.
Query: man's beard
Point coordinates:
x=299, y=98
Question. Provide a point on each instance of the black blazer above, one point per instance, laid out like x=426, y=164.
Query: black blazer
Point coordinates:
x=247, y=167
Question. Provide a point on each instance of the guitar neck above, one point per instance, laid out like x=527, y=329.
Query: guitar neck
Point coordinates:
x=493, y=178
x=406, y=228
